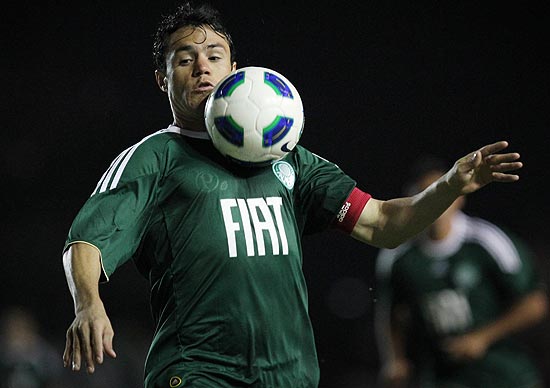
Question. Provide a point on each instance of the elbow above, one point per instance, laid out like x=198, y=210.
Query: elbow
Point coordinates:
x=376, y=237
x=537, y=307
x=387, y=239
x=394, y=226
x=382, y=225
x=388, y=234
x=541, y=303
x=391, y=243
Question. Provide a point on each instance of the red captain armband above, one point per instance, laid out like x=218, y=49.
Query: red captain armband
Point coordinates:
x=351, y=210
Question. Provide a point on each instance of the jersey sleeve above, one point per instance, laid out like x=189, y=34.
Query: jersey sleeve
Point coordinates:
x=115, y=217
x=525, y=279
x=321, y=190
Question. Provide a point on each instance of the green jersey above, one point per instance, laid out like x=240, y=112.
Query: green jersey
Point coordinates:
x=220, y=246
x=452, y=287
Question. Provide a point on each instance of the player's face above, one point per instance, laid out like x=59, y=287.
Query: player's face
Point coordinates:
x=197, y=59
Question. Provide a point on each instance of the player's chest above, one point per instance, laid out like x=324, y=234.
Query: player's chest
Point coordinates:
x=201, y=179
x=424, y=275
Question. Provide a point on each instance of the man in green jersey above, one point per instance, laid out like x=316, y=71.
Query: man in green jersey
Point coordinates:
x=451, y=300
x=221, y=244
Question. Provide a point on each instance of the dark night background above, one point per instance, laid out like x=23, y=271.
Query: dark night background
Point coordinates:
x=382, y=83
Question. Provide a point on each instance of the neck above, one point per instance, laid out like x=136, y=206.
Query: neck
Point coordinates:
x=196, y=125
x=440, y=229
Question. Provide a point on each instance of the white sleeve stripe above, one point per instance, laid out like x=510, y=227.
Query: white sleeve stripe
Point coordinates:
x=122, y=165
x=120, y=169
x=118, y=165
x=111, y=170
x=498, y=244
x=107, y=174
x=104, y=174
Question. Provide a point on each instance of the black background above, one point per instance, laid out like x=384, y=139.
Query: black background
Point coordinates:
x=382, y=83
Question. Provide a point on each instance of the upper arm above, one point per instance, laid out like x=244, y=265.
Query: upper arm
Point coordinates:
x=115, y=217
x=84, y=254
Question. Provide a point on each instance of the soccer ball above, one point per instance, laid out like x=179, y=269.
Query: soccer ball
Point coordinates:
x=254, y=116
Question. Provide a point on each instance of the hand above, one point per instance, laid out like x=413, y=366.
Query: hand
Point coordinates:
x=484, y=166
x=89, y=336
x=395, y=374
x=466, y=347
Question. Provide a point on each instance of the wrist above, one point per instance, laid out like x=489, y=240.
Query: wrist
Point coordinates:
x=449, y=184
x=87, y=302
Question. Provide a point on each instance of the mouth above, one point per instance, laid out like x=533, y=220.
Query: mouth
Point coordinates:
x=203, y=87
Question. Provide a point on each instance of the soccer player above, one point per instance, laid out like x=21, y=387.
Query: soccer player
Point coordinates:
x=451, y=300
x=27, y=359
x=221, y=244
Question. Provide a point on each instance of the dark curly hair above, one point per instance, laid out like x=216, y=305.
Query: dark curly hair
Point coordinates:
x=187, y=15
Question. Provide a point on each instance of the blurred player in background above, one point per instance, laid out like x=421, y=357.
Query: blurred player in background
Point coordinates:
x=451, y=300
x=220, y=243
x=27, y=359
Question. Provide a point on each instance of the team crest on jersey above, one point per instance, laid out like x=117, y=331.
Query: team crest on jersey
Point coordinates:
x=466, y=276
x=285, y=173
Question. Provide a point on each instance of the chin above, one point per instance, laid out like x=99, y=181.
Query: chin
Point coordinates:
x=201, y=107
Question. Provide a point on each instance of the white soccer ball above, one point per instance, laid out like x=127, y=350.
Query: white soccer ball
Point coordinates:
x=254, y=116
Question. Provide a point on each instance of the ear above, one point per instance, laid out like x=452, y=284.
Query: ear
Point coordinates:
x=234, y=66
x=161, y=80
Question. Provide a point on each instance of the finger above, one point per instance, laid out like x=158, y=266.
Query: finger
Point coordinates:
x=502, y=158
x=493, y=148
x=503, y=167
x=67, y=352
x=108, y=343
x=86, y=346
x=504, y=178
x=97, y=344
x=75, y=362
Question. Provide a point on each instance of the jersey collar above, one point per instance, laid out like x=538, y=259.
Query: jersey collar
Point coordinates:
x=186, y=132
x=449, y=245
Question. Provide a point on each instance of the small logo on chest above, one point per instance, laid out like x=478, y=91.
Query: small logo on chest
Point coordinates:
x=284, y=173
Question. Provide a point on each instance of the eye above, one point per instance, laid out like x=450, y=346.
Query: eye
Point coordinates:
x=184, y=61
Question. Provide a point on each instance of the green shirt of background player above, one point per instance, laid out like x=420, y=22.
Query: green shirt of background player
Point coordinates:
x=451, y=300
x=196, y=52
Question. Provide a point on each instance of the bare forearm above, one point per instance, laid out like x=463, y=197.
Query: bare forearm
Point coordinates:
x=526, y=312
x=522, y=315
x=399, y=219
x=389, y=223
x=409, y=216
x=395, y=369
x=82, y=269
x=91, y=334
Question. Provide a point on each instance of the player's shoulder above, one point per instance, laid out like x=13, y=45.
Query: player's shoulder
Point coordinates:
x=157, y=140
x=299, y=151
x=152, y=145
x=501, y=245
x=387, y=258
x=146, y=157
x=303, y=156
x=483, y=231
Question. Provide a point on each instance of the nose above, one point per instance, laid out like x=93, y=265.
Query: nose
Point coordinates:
x=202, y=66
